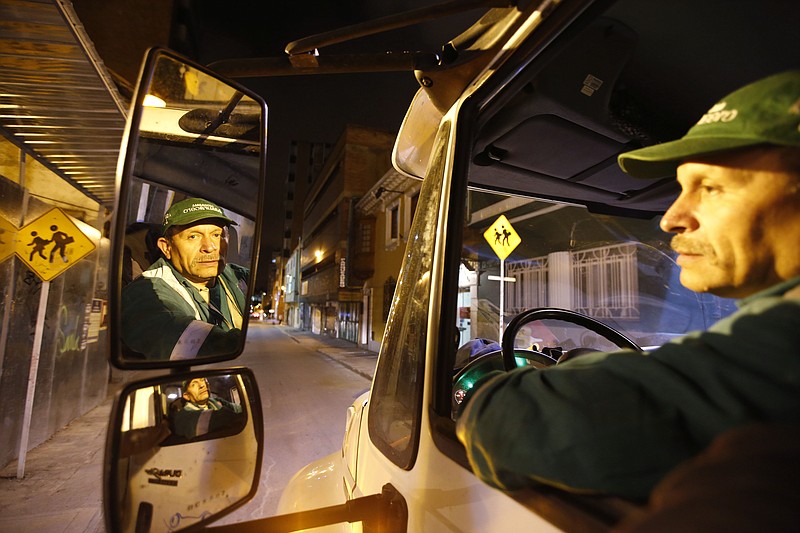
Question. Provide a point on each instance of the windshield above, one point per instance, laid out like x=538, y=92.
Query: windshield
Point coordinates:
x=519, y=253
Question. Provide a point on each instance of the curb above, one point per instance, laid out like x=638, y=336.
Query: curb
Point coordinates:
x=350, y=356
x=363, y=372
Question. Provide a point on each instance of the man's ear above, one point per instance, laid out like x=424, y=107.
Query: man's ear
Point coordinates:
x=186, y=397
x=163, y=245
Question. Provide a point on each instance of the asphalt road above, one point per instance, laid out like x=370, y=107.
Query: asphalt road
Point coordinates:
x=305, y=394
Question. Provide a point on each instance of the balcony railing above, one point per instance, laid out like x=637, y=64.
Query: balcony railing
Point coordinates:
x=605, y=282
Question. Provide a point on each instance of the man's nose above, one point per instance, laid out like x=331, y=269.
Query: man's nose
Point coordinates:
x=679, y=218
x=209, y=244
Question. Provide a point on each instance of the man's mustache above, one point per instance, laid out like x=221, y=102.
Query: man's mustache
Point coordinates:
x=206, y=258
x=685, y=245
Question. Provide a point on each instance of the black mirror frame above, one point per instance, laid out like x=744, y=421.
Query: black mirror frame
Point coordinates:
x=127, y=159
x=113, y=441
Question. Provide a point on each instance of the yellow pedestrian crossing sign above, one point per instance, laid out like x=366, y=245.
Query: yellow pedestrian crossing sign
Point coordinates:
x=51, y=244
x=7, y=233
x=502, y=237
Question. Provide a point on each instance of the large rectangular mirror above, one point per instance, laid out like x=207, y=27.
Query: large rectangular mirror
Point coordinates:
x=182, y=450
x=186, y=241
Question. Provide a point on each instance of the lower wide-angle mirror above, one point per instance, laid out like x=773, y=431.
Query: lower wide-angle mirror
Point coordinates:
x=182, y=450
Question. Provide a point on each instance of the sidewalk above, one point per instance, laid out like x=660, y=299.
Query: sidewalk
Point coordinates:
x=62, y=489
x=344, y=352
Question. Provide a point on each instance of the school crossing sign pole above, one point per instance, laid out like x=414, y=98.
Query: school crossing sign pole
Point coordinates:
x=503, y=240
x=49, y=246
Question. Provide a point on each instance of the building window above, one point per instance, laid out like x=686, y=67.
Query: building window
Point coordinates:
x=395, y=222
x=365, y=240
x=393, y=225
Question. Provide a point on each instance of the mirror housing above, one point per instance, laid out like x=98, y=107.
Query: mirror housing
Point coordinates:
x=182, y=450
x=191, y=135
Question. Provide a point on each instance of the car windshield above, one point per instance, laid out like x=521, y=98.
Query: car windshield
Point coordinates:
x=520, y=253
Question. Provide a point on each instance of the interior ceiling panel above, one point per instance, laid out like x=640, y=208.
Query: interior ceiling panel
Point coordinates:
x=56, y=97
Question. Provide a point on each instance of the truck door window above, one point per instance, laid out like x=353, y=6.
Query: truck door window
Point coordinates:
x=397, y=391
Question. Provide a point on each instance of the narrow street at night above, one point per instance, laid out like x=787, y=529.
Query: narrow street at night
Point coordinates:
x=306, y=383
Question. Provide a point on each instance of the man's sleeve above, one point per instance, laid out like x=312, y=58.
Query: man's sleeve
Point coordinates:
x=617, y=423
x=568, y=426
x=235, y=407
x=220, y=423
x=184, y=423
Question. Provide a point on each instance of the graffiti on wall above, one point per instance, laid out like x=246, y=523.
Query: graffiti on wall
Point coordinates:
x=68, y=336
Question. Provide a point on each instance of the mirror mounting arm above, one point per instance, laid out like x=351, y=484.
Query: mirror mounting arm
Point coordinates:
x=303, y=56
x=386, y=512
x=338, y=64
x=392, y=22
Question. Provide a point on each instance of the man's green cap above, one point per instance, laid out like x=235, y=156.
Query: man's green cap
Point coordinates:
x=191, y=210
x=185, y=383
x=764, y=112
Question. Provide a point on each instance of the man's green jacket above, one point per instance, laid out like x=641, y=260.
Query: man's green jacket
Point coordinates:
x=192, y=421
x=164, y=316
x=618, y=422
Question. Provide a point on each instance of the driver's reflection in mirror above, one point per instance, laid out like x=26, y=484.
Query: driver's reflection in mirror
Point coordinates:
x=189, y=302
x=198, y=413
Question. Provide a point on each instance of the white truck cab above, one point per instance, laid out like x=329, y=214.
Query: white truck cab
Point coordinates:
x=515, y=134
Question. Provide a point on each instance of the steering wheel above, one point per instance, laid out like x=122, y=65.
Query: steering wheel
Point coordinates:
x=509, y=358
x=564, y=315
x=477, y=368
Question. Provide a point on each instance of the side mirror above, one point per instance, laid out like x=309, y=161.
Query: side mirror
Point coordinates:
x=194, y=150
x=182, y=450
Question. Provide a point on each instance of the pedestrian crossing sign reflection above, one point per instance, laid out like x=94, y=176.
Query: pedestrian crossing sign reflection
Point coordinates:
x=51, y=244
x=502, y=237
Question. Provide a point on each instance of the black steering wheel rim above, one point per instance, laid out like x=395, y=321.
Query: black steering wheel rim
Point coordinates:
x=566, y=315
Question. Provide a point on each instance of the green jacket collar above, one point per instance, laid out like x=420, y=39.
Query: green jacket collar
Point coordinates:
x=776, y=290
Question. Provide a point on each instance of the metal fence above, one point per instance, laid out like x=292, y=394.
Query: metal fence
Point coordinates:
x=605, y=282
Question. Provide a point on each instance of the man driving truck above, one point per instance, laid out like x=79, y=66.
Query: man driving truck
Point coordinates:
x=617, y=423
x=189, y=302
